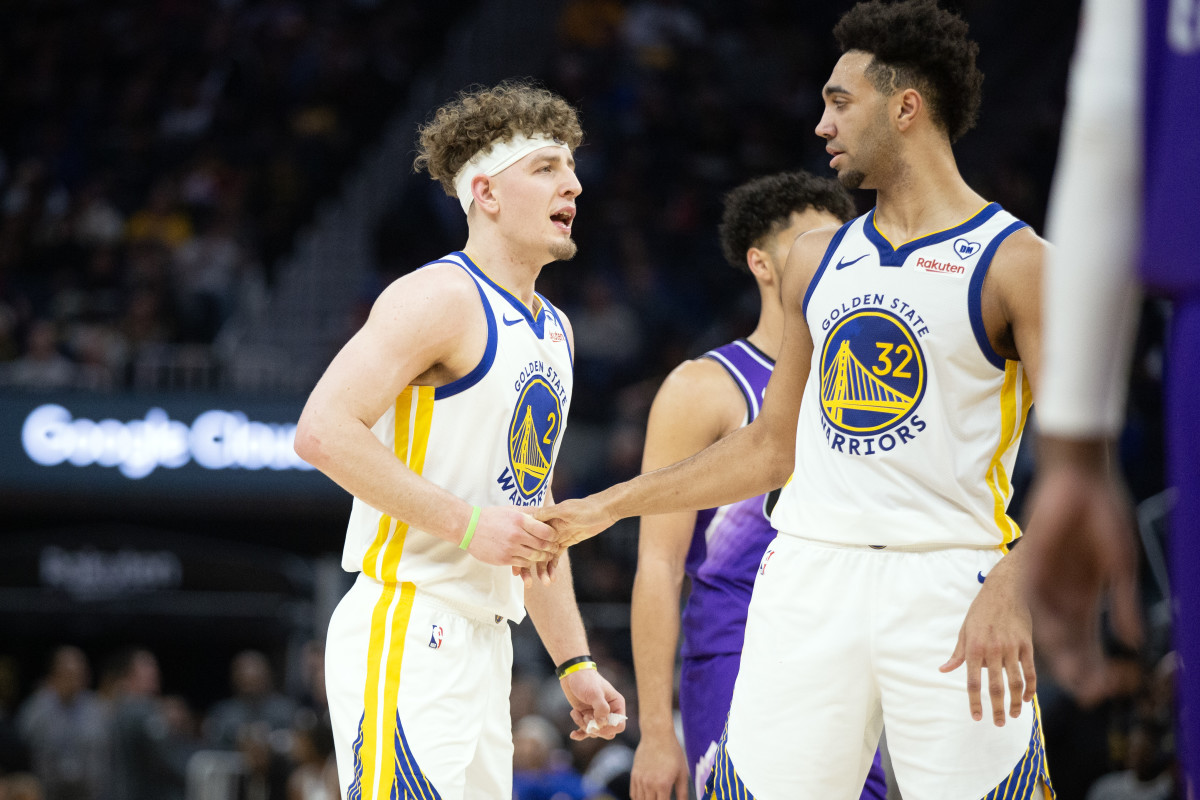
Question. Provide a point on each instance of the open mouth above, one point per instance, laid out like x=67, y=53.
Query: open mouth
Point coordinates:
x=563, y=219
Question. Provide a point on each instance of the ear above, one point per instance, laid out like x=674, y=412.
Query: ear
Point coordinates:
x=908, y=107
x=759, y=262
x=482, y=189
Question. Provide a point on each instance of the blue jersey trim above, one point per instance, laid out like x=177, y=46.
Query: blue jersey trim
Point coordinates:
x=975, y=294
x=536, y=321
x=489, y=354
x=833, y=245
x=895, y=258
x=561, y=327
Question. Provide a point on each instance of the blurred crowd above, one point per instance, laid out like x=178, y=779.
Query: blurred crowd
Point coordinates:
x=157, y=160
x=122, y=738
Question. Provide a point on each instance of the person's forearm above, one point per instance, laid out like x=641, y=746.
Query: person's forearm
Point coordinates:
x=654, y=626
x=350, y=455
x=1091, y=298
x=1090, y=454
x=752, y=460
x=555, y=615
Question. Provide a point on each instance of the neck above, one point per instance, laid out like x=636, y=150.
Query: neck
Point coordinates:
x=926, y=194
x=505, y=264
x=768, y=334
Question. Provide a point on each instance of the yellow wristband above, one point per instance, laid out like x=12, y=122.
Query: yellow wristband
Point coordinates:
x=576, y=667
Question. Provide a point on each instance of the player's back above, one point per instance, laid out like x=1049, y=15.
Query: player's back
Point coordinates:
x=910, y=421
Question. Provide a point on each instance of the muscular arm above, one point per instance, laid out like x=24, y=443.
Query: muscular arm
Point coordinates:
x=697, y=405
x=752, y=460
x=427, y=328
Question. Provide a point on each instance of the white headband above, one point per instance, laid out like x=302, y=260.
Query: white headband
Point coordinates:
x=497, y=158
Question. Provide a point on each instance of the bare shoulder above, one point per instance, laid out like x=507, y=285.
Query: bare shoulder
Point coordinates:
x=435, y=314
x=436, y=287
x=803, y=260
x=700, y=394
x=1024, y=249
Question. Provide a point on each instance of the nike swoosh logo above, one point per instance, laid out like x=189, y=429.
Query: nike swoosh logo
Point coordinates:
x=842, y=263
x=981, y=577
x=508, y=321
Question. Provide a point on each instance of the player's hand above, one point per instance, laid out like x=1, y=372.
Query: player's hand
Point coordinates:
x=1083, y=551
x=507, y=536
x=575, y=520
x=543, y=571
x=997, y=636
x=596, y=707
x=659, y=765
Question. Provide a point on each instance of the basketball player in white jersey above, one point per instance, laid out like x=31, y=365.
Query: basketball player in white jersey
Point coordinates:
x=440, y=415
x=909, y=350
x=719, y=550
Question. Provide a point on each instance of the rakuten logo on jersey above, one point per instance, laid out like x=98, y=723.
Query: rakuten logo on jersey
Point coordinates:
x=215, y=440
x=941, y=267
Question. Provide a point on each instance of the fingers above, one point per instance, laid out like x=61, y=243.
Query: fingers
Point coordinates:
x=957, y=658
x=681, y=785
x=1125, y=608
x=1015, y=691
x=1030, y=673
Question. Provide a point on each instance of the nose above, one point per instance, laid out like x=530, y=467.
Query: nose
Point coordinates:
x=825, y=128
x=572, y=188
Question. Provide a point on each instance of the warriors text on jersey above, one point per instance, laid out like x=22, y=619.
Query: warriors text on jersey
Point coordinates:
x=489, y=437
x=910, y=421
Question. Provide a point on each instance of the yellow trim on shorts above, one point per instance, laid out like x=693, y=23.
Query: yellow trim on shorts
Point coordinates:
x=1012, y=424
x=385, y=655
x=412, y=426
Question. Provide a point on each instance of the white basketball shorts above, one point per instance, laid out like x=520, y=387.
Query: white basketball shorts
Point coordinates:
x=418, y=696
x=844, y=641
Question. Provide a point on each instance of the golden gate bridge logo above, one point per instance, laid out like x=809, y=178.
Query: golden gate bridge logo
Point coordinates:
x=536, y=423
x=872, y=373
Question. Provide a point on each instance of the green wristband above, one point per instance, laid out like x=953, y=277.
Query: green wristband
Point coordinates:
x=470, y=534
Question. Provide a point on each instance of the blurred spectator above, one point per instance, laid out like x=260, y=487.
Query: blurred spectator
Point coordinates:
x=21, y=786
x=541, y=768
x=13, y=753
x=147, y=763
x=43, y=366
x=67, y=731
x=254, y=703
x=314, y=775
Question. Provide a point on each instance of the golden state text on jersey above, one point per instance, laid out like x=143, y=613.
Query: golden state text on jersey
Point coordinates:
x=873, y=377
x=910, y=421
x=533, y=432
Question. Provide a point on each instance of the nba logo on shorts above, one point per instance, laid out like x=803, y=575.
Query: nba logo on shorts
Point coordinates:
x=435, y=638
x=762, y=568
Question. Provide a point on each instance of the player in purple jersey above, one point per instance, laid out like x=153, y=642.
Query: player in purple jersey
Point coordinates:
x=719, y=549
x=1131, y=127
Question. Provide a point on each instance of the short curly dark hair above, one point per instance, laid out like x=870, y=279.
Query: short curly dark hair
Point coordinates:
x=479, y=116
x=762, y=207
x=916, y=44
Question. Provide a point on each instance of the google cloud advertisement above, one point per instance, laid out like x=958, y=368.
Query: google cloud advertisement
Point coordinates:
x=168, y=449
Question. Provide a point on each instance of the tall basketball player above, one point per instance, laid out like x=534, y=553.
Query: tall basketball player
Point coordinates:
x=440, y=415
x=894, y=413
x=719, y=549
x=1130, y=134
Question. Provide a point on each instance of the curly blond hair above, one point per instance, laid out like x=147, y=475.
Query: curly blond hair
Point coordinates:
x=480, y=116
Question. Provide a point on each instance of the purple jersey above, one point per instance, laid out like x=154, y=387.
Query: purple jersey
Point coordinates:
x=728, y=541
x=1172, y=146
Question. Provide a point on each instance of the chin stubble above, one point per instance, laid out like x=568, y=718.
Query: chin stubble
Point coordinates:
x=564, y=250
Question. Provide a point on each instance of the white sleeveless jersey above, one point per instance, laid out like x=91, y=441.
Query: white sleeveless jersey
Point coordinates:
x=910, y=421
x=489, y=437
